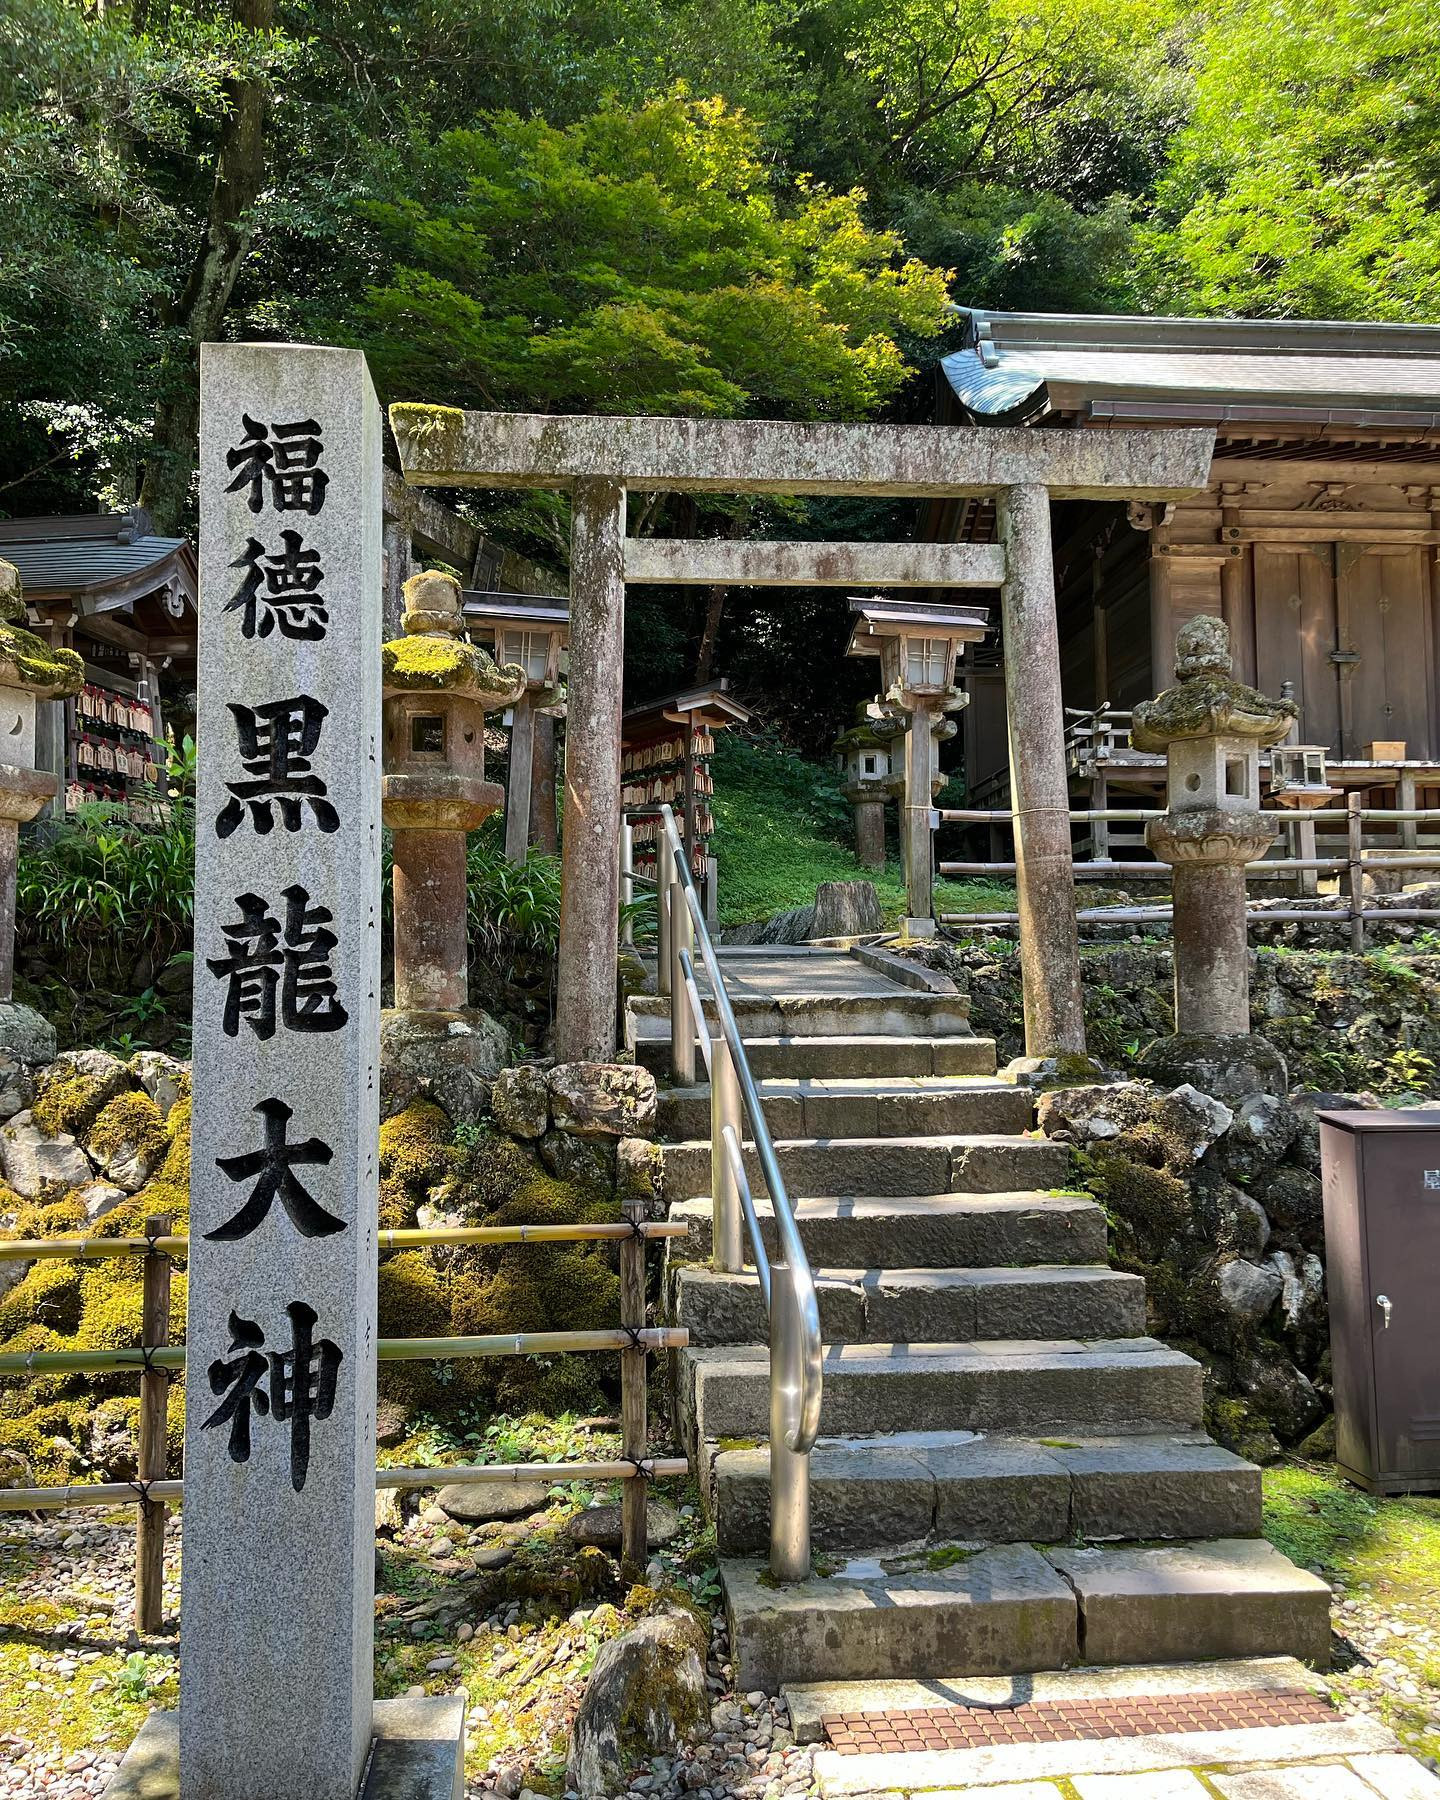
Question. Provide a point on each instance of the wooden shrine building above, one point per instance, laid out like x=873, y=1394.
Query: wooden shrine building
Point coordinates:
x=1315, y=541
x=109, y=587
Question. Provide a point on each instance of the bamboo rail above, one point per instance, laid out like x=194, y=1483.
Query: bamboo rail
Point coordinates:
x=169, y=1493
x=418, y=1349
x=89, y=1248
x=156, y=1357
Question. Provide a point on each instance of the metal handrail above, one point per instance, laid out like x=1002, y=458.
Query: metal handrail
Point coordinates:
x=786, y=1282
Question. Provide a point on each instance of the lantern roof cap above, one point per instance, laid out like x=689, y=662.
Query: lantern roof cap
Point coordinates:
x=877, y=618
x=433, y=657
x=26, y=660
x=1207, y=701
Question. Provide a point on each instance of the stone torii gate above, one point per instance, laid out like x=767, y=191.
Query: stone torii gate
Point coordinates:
x=599, y=459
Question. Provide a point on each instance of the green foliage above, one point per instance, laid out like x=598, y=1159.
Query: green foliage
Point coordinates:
x=512, y=906
x=103, y=879
x=637, y=261
x=1303, y=184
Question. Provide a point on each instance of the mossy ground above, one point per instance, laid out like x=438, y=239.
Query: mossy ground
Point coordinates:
x=1382, y=1555
x=523, y=1678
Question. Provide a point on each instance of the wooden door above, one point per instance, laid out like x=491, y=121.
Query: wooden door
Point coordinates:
x=1296, y=633
x=1384, y=616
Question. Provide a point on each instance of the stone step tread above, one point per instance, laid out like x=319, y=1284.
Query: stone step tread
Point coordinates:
x=851, y=1052
x=811, y=1702
x=860, y=1305
x=974, y=1162
x=849, y=1086
x=962, y=1140
x=1015, y=1227
x=967, y=1486
x=1011, y=1609
x=881, y=1359
x=808, y=999
x=1024, y=1387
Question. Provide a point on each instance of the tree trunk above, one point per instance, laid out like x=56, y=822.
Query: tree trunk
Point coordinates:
x=715, y=609
x=200, y=309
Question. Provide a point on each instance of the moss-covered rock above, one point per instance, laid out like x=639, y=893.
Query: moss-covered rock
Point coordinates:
x=646, y=1697
x=416, y=1145
x=71, y=1093
x=129, y=1140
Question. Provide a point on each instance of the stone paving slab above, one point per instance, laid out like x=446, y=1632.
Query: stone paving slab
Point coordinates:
x=1159, y=1784
x=1329, y=1781
x=1397, y=1777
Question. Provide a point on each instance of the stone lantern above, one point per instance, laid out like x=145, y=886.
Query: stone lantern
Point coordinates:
x=1212, y=729
x=918, y=646
x=438, y=688
x=30, y=671
x=533, y=633
x=864, y=754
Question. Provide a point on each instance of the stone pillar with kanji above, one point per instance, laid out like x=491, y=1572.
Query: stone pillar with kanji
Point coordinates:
x=1211, y=729
x=438, y=688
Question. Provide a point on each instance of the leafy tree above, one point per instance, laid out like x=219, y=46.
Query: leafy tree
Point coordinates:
x=638, y=261
x=1304, y=184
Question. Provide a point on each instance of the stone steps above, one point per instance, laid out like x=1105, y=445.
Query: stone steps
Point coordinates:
x=978, y=1163
x=862, y=1107
x=854, y=1054
x=921, y=1231
x=1011, y=1609
x=1065, y=1388
x=881, y=1493
x=896, y=1305
x=870, y=1008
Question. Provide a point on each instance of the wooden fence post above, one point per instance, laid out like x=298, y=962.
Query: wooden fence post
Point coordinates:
x=150, y=1460
x=1355, y=835
x=634, y=1544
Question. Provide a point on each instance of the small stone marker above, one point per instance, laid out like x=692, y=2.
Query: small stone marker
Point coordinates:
x=278, y=1607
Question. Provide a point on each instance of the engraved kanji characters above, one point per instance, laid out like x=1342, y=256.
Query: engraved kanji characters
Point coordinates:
x=279, y=972
x=281, y=588
x=273, y=1167
x=301, y=1385
x=283, y=458
x=276, y=744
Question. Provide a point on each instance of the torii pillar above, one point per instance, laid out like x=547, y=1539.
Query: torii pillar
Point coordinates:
x=1039, y=781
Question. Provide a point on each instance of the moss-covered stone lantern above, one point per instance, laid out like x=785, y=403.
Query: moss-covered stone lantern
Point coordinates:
x=30, y=671
x=864, y=753
x=1212, y=729
x=438, y=688
x=918, y=645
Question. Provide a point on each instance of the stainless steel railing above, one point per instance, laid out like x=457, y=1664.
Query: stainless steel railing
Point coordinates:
x=786, y=1283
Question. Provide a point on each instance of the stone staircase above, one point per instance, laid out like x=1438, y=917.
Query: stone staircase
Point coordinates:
x=1011, y=1476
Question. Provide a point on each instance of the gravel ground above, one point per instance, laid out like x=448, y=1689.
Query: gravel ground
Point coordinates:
x=68, y=1650
x=1387, y=1666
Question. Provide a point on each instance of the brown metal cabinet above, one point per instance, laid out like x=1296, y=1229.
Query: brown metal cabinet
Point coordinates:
x=1382, y=1243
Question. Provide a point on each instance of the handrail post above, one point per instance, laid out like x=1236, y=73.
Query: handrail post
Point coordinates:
x=627, y=882
x=726, y=1244
x=151, y=1433
x=1355, y=841
x=634, y=1548
x=789, y=1469
x=664, y=877
x=682, y=1026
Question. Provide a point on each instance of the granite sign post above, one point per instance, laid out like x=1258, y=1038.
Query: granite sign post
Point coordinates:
x=279, y=1542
